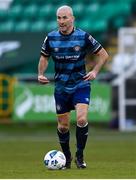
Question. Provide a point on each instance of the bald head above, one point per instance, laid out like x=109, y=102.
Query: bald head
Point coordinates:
x=65, y=19
x=65, y=8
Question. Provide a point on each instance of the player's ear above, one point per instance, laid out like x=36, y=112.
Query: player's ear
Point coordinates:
x=73, y=19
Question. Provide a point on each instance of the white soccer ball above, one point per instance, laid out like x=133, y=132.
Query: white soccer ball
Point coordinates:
x=54, y=159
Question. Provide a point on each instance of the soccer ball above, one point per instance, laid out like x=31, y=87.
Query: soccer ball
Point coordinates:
x=54, y=160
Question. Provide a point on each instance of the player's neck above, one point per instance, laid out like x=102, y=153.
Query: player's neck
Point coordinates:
x=70, y=31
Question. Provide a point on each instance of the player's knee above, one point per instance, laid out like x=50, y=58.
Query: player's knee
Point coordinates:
x=81, y=121
x=63, y=128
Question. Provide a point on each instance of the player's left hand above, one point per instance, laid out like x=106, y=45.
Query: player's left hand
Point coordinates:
x=90, y=76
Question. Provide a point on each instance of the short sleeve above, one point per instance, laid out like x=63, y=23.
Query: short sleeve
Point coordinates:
x=92, y=44
x=45, y=51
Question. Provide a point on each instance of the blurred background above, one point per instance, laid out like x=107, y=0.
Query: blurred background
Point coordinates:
x=23, y=27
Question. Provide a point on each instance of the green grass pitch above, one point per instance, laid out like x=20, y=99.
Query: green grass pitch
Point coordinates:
x=109, y=154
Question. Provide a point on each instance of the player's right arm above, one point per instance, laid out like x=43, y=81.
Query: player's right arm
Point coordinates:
x=43, y=62
x=42, y=66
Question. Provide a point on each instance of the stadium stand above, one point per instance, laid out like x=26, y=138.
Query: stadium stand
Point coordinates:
x=101, y=18
x=87, y=12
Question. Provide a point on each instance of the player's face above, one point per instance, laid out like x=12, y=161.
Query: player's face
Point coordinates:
x=65, y=21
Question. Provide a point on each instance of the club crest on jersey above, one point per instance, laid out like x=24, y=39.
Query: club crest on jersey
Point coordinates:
x=77, y=48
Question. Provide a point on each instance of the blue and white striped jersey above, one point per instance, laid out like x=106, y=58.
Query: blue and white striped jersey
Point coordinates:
x=68, y=53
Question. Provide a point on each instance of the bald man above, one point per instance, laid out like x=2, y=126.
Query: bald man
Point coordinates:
x=68, y=47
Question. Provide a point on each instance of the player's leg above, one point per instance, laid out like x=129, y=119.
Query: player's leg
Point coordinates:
x=63, y=126
x=64, y=137
x=81, y=133
x=81, y=101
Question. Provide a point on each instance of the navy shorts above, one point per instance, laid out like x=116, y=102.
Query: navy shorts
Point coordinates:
x=66, y=102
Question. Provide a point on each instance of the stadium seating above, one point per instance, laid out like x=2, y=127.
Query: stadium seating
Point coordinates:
x=46, y=12
x=15, y=11
x=38, y=26
x=86, y=12
x=30, y=12
x=3, y=16
x=7, y=26
x=22, y=26
x=94, y=16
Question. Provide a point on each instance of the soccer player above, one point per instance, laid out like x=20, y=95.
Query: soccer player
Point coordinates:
x=68, y=47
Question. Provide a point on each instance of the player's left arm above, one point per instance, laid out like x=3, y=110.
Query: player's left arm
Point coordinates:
x=102, y=58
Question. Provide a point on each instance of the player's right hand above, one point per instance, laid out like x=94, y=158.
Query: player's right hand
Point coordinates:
x=42, y=79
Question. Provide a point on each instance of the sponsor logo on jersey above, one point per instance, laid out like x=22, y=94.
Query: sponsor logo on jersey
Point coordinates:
x=73, y=57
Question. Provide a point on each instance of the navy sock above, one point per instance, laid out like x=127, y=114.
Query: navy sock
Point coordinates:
x=64, y=142
x=81, y=137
